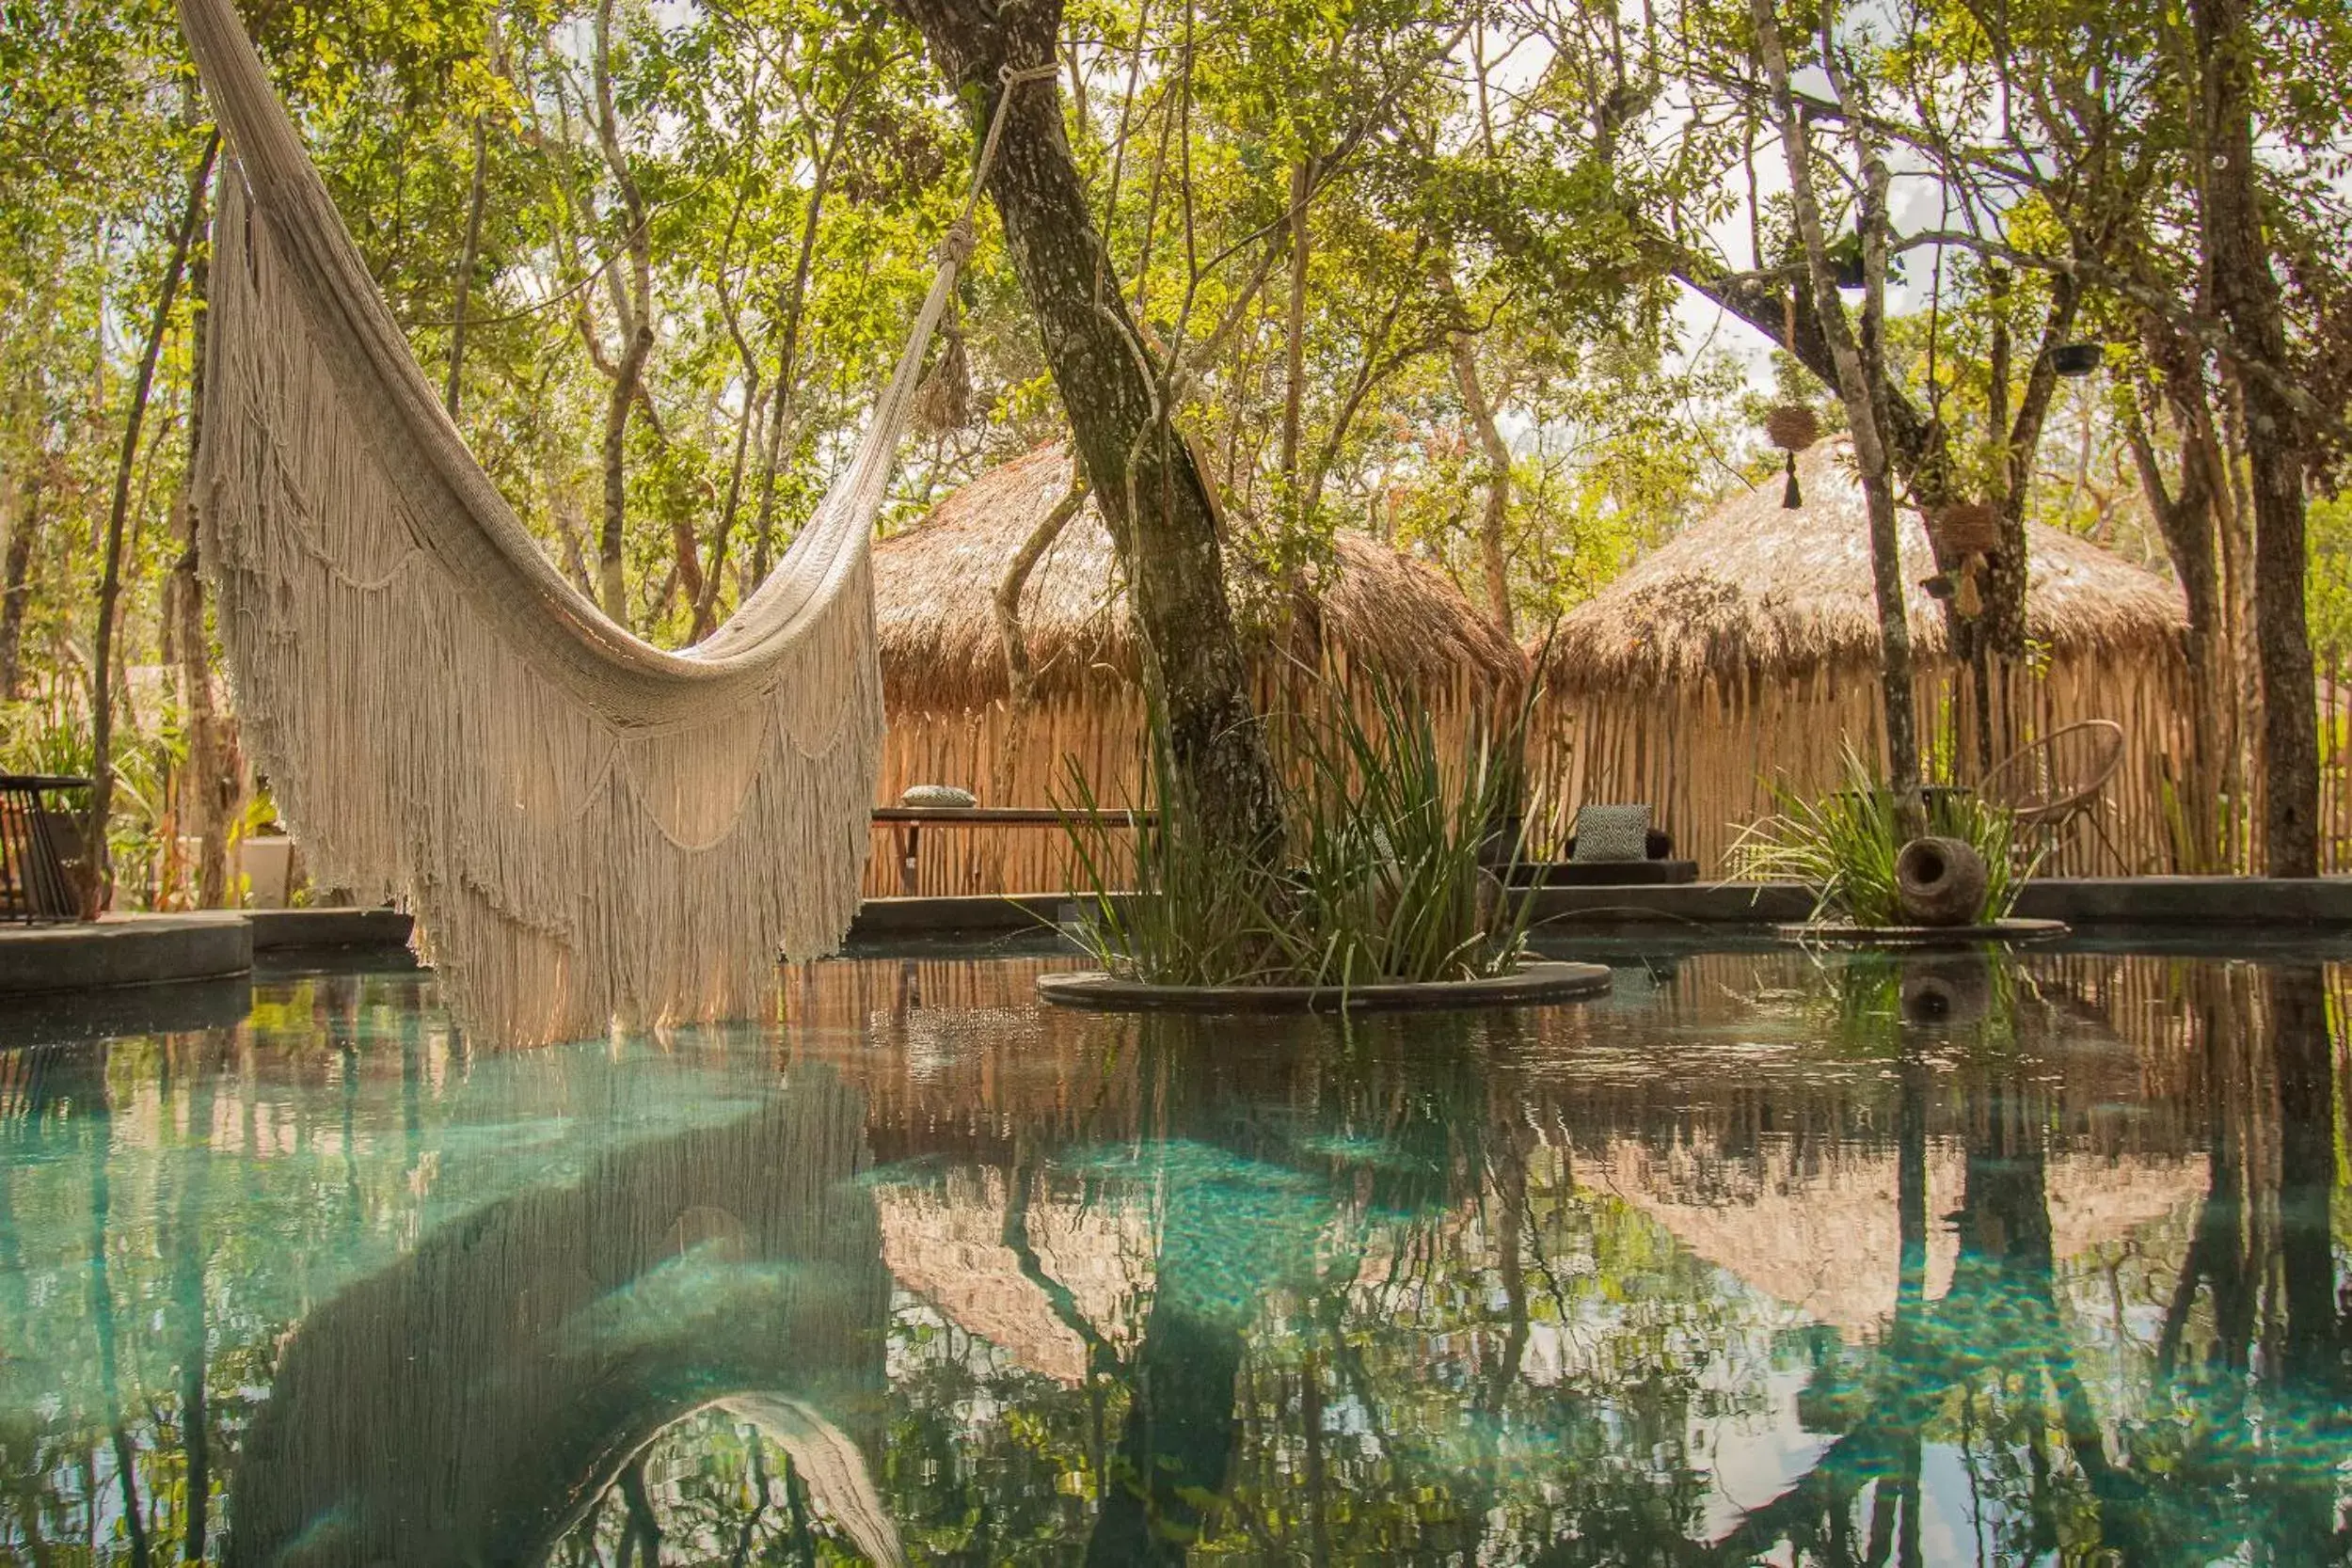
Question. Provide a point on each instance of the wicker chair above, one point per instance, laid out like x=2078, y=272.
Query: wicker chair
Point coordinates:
x=2055, y=784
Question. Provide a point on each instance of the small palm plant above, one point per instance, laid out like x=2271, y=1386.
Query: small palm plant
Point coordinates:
x=1843, y=848
x=1383, y=878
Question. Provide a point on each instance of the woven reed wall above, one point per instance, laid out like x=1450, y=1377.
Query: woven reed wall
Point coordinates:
x=2335, y=762
x=1705, y=756
x=1099, y=733
x=1700, y=756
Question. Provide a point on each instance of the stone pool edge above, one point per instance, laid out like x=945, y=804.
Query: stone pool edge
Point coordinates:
x=1532, y=984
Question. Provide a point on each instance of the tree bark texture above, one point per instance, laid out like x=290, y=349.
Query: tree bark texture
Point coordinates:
x=2246, y=292
x=211, y=781
x=16, y=573
x=467, y=259
x=1493, y=564
x=632, y=304
x=790, y=303
x=2019, y=439
x=110, y=578
x=1020, y=674
x=1142, y=474
x=1862, y=394
x=2185, y=512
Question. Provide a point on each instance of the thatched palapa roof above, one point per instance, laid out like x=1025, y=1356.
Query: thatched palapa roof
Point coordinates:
x=1759, y=590
x=935, y=589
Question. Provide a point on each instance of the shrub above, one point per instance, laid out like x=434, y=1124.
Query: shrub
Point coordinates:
x=1382, y=878
x=1843, y=848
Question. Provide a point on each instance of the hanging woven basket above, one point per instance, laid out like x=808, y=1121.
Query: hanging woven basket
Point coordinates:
x=1793, y=427
x=1965, y=528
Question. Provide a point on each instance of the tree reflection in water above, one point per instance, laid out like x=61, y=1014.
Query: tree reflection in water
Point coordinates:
x=1757, y=1260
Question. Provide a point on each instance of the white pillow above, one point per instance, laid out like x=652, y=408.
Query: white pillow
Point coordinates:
x=1611, y=833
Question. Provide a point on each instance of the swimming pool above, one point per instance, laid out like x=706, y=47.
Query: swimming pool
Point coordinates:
x=1764, y=1256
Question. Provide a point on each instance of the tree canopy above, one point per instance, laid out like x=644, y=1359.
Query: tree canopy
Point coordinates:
x=1509, y=282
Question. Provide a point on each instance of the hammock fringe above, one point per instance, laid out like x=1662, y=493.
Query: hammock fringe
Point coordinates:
x=591, y=829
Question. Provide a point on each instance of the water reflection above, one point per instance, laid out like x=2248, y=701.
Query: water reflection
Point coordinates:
x=1762, y=1259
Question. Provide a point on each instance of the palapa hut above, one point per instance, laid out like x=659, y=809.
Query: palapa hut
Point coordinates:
x=948, y=692
x=1745, y=652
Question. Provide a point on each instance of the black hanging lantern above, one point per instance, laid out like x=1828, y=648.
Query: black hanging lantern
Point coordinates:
x=2077, y=359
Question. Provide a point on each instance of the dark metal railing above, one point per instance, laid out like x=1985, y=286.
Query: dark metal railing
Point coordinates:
x=40, y=849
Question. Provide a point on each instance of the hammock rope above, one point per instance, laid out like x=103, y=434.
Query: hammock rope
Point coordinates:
x=589, y=827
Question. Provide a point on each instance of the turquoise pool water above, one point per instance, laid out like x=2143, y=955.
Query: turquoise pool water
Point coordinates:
x=1760, y=1258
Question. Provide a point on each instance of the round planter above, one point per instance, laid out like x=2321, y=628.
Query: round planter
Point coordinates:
x=1531, y=985
x=1939, y=882
x=1826, y=933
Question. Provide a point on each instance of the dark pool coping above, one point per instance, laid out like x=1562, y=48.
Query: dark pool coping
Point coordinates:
x=2320, y=905
x=128, y=950
x=135, y=950
x=276, y=930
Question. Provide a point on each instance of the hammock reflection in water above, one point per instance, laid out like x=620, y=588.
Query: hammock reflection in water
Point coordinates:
x=471, y=1403
x=935, y=1274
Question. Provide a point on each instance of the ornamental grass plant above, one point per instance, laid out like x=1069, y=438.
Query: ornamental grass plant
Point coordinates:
x=1382, y=880
x=1842, y=848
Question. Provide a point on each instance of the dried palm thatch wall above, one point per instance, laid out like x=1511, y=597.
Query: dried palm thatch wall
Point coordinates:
x=948, y=693
x=1744, y=654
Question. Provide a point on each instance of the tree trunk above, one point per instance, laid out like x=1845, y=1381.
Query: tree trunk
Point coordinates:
x=634, y=305
x=212, y=779
x=793, y=301
x=16, y=573
x=466, y=260
x=110, y=578
x=1020, y=676
x=1861, y=392
x=1295, y=327
x=2246, y=292
x=2185, y=516
x=2004, y=606
x=1152, y=495
x=1493, y=564
x=754, y=409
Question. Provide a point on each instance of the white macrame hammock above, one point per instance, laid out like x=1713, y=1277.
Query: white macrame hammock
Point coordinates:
x=588, y=827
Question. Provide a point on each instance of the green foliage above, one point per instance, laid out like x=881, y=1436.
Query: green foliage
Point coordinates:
x=1536, y=182
x=1843, y=848
x=2329, y=600
x=1383, y=877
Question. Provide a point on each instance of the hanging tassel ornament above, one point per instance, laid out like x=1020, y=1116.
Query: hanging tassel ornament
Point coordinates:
x=1967, y=601
x=1793, y=427
x=943, y=401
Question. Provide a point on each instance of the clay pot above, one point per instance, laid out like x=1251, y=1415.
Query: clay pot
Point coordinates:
x=1939, y=882
x=1954, y=989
